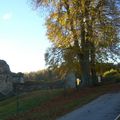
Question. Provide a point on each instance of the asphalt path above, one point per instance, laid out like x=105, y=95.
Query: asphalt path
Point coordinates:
x=106, y=107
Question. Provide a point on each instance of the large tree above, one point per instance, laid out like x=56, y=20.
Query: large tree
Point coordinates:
x=86, y=27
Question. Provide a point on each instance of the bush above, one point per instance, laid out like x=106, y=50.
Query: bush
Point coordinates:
x=117, y=77
x=110, y=73
x=111, y=76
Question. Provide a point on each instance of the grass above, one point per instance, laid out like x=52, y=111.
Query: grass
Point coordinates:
x=50, y=104
x=118, y=117
x=28, y=101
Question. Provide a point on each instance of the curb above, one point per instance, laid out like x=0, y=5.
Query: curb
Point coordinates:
x=117, y=117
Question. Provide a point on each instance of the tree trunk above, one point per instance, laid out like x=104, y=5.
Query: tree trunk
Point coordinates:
x=84, y=59
x=85, y=71
x=93, y=70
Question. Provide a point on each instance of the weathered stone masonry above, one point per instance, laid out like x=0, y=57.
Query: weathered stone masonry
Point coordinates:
x=7, y=78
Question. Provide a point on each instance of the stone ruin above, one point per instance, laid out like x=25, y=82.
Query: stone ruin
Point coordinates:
x=70, y=80
x=7, y=78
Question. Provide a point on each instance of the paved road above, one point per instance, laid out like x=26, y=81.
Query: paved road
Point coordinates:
x=106, y=107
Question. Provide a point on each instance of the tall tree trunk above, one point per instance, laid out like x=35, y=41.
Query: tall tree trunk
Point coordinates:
x=93, y=70
x=85, y=70
x=83, y=52
x=84, y=65
x=84, y=59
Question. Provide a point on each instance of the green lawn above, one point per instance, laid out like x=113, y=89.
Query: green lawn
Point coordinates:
x=8, y=107
x=50, y=104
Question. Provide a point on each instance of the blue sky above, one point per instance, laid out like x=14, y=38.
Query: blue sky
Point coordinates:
x=23, y=39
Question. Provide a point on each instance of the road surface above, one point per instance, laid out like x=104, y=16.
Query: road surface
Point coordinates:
x=106, y=107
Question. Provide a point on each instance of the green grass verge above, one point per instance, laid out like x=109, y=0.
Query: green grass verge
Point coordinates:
x=50, y=104
x=9, y=107
x=118, y=118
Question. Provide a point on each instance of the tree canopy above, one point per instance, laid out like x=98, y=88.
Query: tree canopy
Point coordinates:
x=84, y=31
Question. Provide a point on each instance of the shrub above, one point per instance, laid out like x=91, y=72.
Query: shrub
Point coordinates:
x=111, y=76
x=110, y=73
x=117, y=77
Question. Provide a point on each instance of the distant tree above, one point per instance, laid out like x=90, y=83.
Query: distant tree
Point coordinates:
x=42, y=75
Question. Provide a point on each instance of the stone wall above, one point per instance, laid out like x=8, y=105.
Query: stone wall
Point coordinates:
x=7, y=78
x=4, y=67
x=5, y=84
x=31, y=86
x=70, y=80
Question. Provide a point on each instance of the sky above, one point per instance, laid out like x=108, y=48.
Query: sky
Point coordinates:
x=23, y=39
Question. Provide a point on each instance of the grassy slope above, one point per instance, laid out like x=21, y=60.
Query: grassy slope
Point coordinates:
x=28, y=101
x=48, y=105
